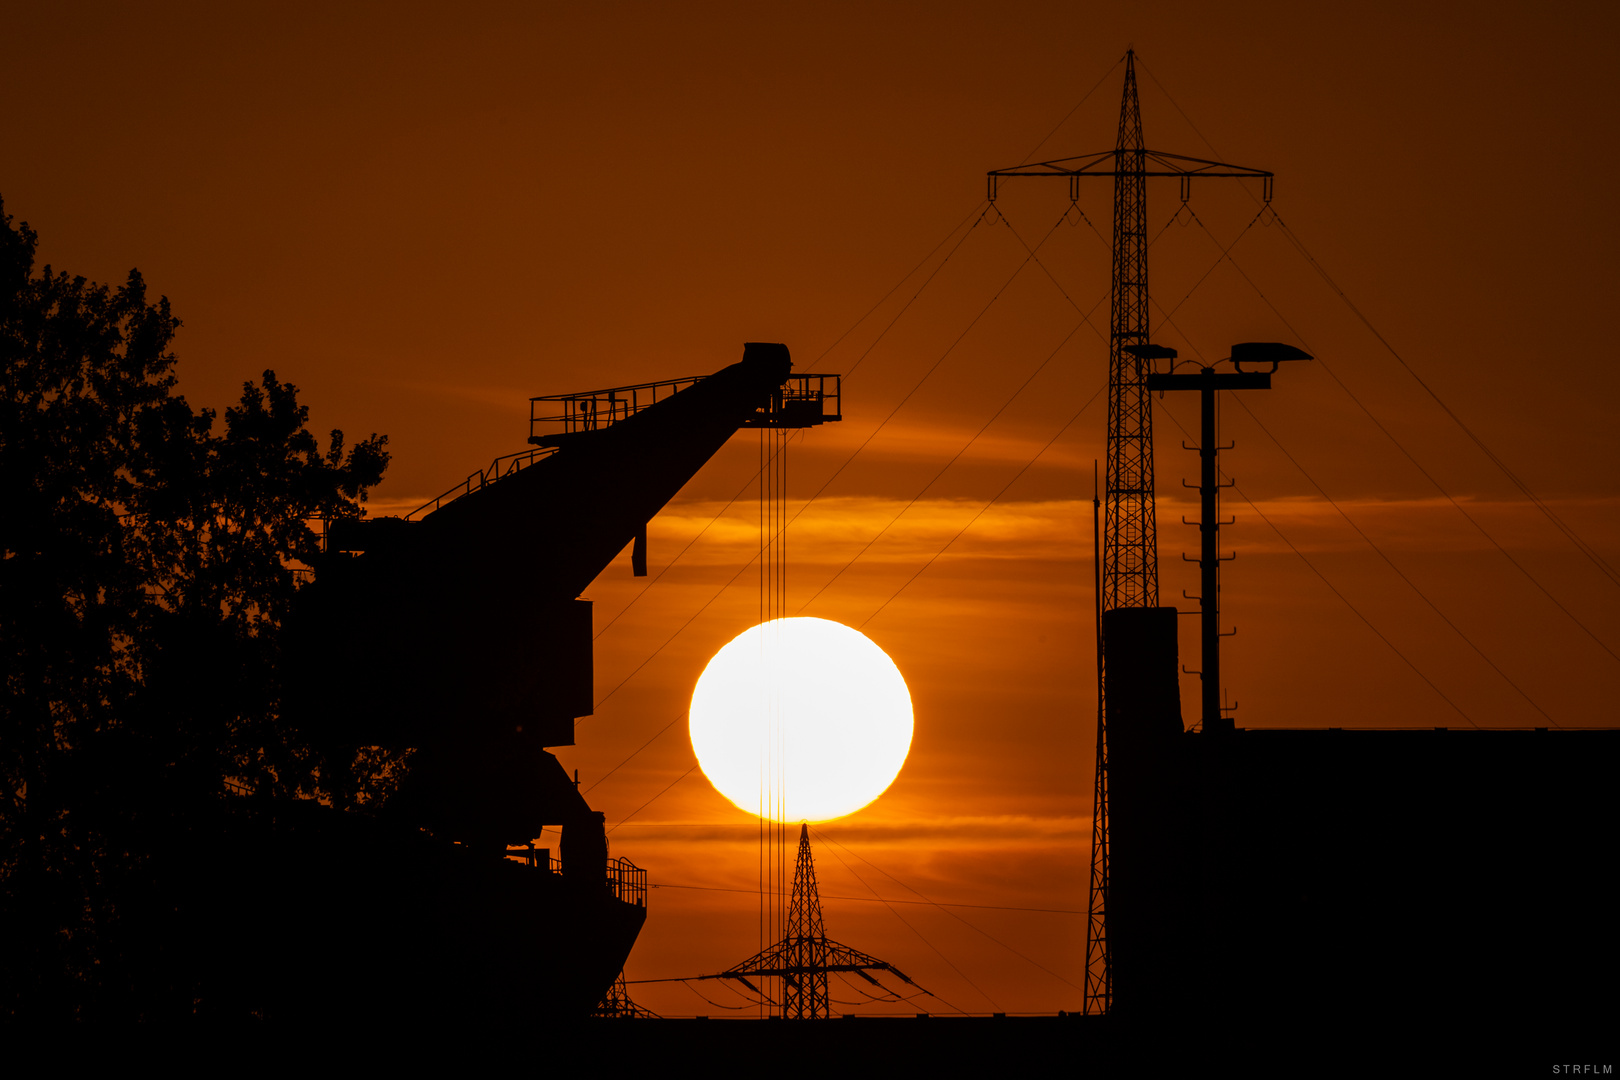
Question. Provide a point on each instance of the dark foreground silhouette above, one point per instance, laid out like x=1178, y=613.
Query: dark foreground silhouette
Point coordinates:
x=224, y=797
x=256, y=769
x=1441, y=883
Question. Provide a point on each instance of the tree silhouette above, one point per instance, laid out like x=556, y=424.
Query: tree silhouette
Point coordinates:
x=147, y=561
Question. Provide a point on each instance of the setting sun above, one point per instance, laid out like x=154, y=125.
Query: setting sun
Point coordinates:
x=801, y=720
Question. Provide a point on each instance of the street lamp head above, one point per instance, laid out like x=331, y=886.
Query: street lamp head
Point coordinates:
x=1265, y=352
x=1151, y=352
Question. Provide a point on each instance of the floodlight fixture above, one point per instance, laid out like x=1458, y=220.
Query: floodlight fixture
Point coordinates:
x=1151, y=352
x=1266, y=352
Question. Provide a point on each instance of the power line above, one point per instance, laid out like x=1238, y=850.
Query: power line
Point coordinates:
x=1031, y=256
x=819, y=491
x=1391, y=563
x=1580, y=543
x=926, y=282
x=1177, y=107
x=729, y=503
x=655, y=798
x=1328, y=368
x=993, y=500
x=967, y=978
x=909, y=274
x=1355, y=610
x=633, y=753
x=650, y=656
x=1095, y=86
x=925, y=376
x=952, y=914
x=1346, y=600
x=1170, y=320
x=1085, y=320
x=1224, y=255
x=880, y=900
x=671, y=565
x=1369, y=541
x=752, y=1002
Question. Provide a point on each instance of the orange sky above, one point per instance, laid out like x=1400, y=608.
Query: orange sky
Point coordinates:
x=423, y=217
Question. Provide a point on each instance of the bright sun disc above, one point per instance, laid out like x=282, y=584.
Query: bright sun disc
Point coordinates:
x=801, y=720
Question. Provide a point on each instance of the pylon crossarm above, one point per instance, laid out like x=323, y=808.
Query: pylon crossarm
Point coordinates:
x=789, y=971
x=1105, y=164
x=754, y=965
x=805, y=956
x=852, y=959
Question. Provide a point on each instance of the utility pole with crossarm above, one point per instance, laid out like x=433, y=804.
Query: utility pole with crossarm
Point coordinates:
x=1207, y=382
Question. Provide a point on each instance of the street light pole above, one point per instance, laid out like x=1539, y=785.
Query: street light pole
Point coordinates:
x=1207, y=382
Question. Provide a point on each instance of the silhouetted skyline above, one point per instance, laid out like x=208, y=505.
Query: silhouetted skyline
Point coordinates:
x=423, y=220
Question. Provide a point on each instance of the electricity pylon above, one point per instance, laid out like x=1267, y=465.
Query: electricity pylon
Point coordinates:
x=806, y=956
x=1130, y=560
x=616, y=1004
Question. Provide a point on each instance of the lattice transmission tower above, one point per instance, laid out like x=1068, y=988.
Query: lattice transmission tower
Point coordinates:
x=616, y=1004
x=1129, y=571
x=804, y=958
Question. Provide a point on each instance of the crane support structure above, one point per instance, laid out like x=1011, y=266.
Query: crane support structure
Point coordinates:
x=1130, y=563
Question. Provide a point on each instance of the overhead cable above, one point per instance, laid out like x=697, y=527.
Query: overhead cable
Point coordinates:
x=1029, y=157
x=1328, y=368
x=879, y=900
x=982, y=208
x=926, y=375
x=1575, y=538
x=819, y=491
x=655, y=798
x=1085, y=319
x=1169, y=318
x=1391, y=564
x=993, y=500
x=1569, y=532
x=977, y=209
x=907, y=924
x=1335, y=589
x=952, y=914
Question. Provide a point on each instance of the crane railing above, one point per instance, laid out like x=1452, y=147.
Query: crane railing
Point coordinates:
x=505, y=465
x=628, y=881
x=801, y=401
x=625, y=880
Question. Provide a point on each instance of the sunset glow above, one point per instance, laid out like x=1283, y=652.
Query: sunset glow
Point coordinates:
x=423, y=218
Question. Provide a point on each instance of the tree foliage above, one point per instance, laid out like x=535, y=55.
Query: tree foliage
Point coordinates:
x=147, y=558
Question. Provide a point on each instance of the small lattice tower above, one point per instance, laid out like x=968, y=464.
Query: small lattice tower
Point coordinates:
x=616, y=1003
x=805, y=997
x=806, y=956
